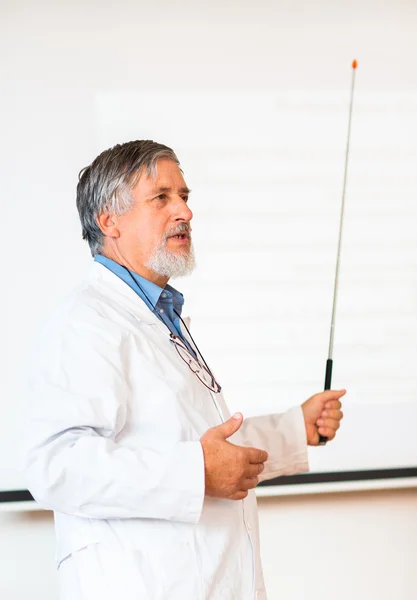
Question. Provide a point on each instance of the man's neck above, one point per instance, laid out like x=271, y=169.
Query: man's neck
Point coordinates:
x=136, y=267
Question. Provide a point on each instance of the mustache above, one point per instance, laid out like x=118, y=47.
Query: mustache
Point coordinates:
x=180, y=228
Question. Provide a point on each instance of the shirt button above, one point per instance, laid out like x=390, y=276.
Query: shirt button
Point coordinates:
x=163, y=295
x=161, y=310
x=258, y=595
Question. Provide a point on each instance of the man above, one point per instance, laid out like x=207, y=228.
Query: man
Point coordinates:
x=130, y=440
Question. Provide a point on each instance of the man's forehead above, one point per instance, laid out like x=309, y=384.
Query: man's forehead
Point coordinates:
x=166, y=176
x=168, y=189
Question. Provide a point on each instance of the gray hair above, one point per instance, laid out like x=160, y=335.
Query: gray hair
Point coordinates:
x=106, y=184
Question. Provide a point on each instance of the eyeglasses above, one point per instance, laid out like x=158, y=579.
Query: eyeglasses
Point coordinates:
x=201, y=371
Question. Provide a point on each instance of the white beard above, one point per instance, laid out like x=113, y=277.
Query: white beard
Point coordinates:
x=171, y=264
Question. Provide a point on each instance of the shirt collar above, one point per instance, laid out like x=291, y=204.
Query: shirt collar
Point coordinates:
x=152, y=290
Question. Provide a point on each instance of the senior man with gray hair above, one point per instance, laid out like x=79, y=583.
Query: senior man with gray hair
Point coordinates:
x=129, y=440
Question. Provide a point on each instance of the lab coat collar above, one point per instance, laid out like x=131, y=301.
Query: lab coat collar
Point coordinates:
x=113, y=287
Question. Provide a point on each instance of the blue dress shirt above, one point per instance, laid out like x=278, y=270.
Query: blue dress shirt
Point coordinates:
x=161, y=301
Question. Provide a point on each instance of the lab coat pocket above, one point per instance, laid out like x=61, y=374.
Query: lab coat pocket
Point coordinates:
x=72, y=534
x=102, y=572
x=169, y=561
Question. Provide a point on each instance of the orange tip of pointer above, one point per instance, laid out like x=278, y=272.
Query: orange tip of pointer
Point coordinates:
x=354, y=64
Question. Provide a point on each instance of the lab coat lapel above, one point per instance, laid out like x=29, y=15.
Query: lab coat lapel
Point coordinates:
x=113, y=287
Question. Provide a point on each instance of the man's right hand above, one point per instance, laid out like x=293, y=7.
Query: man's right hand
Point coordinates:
x=230, y=470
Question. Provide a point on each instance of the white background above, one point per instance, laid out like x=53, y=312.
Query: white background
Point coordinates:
x=261, y=139
x=57, y=60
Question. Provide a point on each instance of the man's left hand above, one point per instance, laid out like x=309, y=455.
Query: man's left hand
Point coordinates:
x=322, y=415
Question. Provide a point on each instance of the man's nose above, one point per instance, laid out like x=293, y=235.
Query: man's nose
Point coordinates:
x=183, y=211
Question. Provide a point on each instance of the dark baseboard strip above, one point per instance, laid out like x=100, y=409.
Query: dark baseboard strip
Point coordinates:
x=370, y=475
x=302, y=478
x=15, y=496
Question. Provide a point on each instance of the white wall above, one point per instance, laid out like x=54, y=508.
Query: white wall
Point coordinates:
x=360, y=546
x=254, y=99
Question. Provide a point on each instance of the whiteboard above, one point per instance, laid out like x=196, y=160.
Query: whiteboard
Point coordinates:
x=265, y=171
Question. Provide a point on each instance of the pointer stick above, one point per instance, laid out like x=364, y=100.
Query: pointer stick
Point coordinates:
x=329, y=364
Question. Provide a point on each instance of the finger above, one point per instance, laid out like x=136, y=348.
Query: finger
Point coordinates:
x=326, y=432
x=241, y=495
x=254, y=470
x=333, y=404
x=249, y=483
x=332, y=414
x=257, y=456
x=329, y=423
x=330, y=395
x=229, y=427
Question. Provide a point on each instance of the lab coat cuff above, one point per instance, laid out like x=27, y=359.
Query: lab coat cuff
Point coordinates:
x=294, y=418
x=293, y=457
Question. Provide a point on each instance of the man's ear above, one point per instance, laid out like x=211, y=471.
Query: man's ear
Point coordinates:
x=108, y=225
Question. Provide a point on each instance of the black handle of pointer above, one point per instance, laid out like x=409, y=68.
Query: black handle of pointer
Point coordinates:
x=327, y=386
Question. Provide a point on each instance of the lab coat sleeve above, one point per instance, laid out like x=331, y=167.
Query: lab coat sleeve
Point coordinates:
x=283, y=436
x=73, y=463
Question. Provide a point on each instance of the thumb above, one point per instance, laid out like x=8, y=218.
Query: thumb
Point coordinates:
x=229, y=427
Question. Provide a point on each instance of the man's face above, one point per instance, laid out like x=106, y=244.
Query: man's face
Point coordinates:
x=146, y=241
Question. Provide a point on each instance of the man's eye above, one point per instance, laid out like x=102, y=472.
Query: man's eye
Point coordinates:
x=185, y=198
x=161, y=197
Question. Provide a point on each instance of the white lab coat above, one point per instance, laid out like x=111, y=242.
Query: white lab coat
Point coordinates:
x=114, y=422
